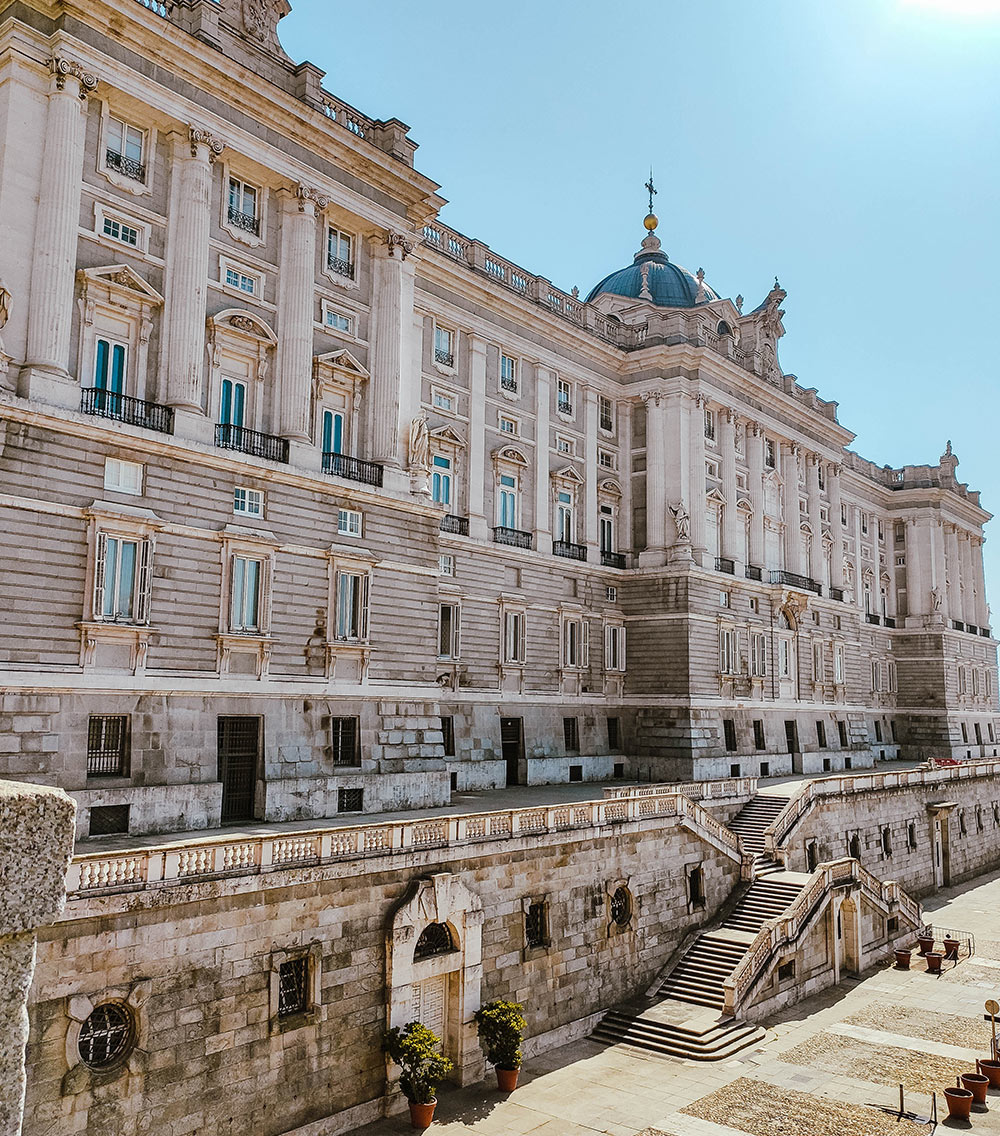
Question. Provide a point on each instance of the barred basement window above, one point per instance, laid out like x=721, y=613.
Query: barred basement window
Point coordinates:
x=621, y=907
x=729, y=730
x=435, y=939
x=571, y=734
x=448, y=732
x=821, y=735
x=108, y=745
x=536, y=925
x=344, y=741
x=293, y=987
x=350, y=800
x=786, y=970
x=108, y=820
x=759, y=741
x=612, y=733
x=911, y=836
x=842, y=733
x=892, y=925
x=107, y=1036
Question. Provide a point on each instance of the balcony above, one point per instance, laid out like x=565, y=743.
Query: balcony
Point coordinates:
x=230, y=437
x=514, y=537
x=508, y=383
x=753, y=573
x=452, y=524
x=569, y=550
x=606, y=423
x=971, y=629
x=341, y=267
x=837, y=594
x=564, y=406
x=986, y=633
x=134, y=411
x=871, y=618
x=794, y=580
x=127, y=167
x=445, y=358
x=613, y=559
x=957, y=625
x=724, y=564
x=889, y=620
x=245, y=221
x=353, y=469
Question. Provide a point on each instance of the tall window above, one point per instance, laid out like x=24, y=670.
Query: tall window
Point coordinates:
x=770, y=455
x=508, y=374
x=605, y=413
x=710, y=424
x=614, y=647
x=441, y=479
x=818, y=667
x=449, y=630
x=344, y=741
x=444, y=346
x=513, y=636
x=243, y=200
x=232, y=402
x=121, y=579
x=564, y=516
x=109, y=366
x=728, y=650
x=758, y=654
x=564, y=396
x=293, y=987
x=507, y=501
x=352, y=606
x=108, y=745
x=333, y=432
x=125, y=147
x=606, y=528
x=838, y=663
x=784, y=658
x=576, y=643
x=244, y=605
x=339, y=252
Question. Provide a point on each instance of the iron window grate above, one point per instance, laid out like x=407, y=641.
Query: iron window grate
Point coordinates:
x=108, y=745
x=350, y=800
x=108, y=820
x=435, y=939
x=293, y=986
x=106, y=1036
x=344, y=741
x=535, y=925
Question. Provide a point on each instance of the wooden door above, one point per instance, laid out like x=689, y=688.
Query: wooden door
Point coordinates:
x=512, y=746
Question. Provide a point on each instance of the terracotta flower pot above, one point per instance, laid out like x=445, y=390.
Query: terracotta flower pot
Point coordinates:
x=977, y=1084
x=951, y=949
x=991, y=1071
x=421, y=1115
x=933, y=962
x=959, y=1103
x=925, y=943
x=903, y=959
x=507, y=1079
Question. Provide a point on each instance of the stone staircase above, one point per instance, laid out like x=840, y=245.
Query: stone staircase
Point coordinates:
x=750, y=823
x=671, y=1029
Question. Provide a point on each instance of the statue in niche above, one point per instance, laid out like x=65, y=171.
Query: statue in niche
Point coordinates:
x=420, y=445
x=936, y=599
x=5, y=305
x=682, y=522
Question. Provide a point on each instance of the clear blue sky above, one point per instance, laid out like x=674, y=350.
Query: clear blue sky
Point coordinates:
x=848, y=147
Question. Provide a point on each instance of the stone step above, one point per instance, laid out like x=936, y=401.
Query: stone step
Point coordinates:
x=717, y=1043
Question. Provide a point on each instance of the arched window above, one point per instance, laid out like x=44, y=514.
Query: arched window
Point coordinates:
x=435, y=939
x=724, y=328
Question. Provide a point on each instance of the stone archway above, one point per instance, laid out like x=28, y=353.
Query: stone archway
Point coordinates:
x=850, y=934
x=443, y=985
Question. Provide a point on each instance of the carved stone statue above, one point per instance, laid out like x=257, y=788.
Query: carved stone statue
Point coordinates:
x=682, y=522
x=5, y=305
x=420, y=445
x=936, y=599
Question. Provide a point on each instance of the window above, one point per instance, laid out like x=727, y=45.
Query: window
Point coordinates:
x=621, y=907
x=612, y=733
x=108, y=820
x=821, y=735
x=441, y=479
x=709, y=424
x=340, y=252
x=513, y=636
x=449, y=630
x=911, y=836
x=571, y=735
x=536, y=925
x=246, y=282
x=293, y=986
x=508, y=425
x=786, y=970
x=821, y=476
x=108, y=745
x=878, y=730
x=784, y=658
x=611, y=593
x=838, y=663
x=864, y=522
x=123, y=476
x=739, y=440
x=759, y=741
x=729, y=733
x=605, y=413
x=769, y=453
x=842, y=733
x=758, y=654
x=564, y=516
x=110, y=359
x=962, y=681
x=352, y=606
x=442, y=400
x=696, y=887
x=337, y=321
x=754, y=604
x=125, y=149
x=348, y=522
x=446, y=564
x=886, y=841
x=876, y=675
x=350, y=800
x=107, y=1036
x=444, y=346
x=728, y=656
x=248, y=502
x=507, y=502
x=122, y=579
x=243, y=199
x=564, y=445
x=119, y=231
x=606, y=459
x=245, y=592
x=232, y=402
x=564, y=396
x=576, y=643
x=712, y=470
x=890, y=667
x=614, y=647
x=881, y=531
x=965, y=733
x=435, y=939
x=508, y=374
x=606, y=532
x=344, y=741
x=818, y=662
x=725, y=599
x=448, y=735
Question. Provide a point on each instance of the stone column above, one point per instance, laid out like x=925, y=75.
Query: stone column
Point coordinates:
x=392, y=317
x=36, y=843
x=478, y=524
x=939, y=574
x=815, y=520
x=794, y=552
x=656, y=488
x=186, y=278
x=543, y=510
x=732, y=543
x=917, y=588
x=953, y=563
x=978, y=572
x=755, y=464
x=968, y=578
x=836, y=529
x=54, y=262
x=589, y=530
x=624, y=418
x=296, y=300
x=696, y=476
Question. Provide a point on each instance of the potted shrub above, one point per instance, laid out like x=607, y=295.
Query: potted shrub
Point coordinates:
x=501, y=1027
x=414, y=1048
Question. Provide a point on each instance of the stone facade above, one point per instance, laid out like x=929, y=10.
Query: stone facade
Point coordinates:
x=316, y=505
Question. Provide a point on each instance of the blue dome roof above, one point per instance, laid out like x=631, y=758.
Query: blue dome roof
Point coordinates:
x=670, y=285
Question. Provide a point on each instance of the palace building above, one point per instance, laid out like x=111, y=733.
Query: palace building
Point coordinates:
x=313, y=505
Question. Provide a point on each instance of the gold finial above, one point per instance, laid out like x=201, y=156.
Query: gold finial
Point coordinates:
x=650, y=220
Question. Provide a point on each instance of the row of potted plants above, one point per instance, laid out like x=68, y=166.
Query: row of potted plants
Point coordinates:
x=970, y=1089
x=926, y=943
x=416, y=1050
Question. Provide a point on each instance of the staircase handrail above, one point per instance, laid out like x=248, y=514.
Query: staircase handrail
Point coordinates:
x=696, y=790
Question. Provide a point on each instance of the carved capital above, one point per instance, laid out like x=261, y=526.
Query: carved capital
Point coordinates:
x=398, y=242
x=61, y=68
x=646, y=396
x=307, y=193
x=729, y=415
x=199, y=137
x=755, y=429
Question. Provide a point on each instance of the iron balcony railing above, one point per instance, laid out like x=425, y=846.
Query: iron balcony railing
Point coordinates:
x=122, y=408
x=793, y=579
x=341, y=267
x=353, y=469
x=870, y=617
x=452, y=524
x=837, y=594
x=564, y=406
x=724, y=564
x=445, y=358
x=613, y=559
x=129, y=167
x=753, y=573
x=230, y=437
x=569, y=550
x=508, y=383
x=245, y=221
x=514, y=537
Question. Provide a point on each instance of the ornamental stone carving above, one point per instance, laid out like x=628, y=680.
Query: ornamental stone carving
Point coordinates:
x=400, y=241
x=306, y=193
x=63, y=67
x=200, y=137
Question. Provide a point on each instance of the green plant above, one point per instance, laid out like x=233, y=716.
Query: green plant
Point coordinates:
x=501, y=1027
x=414, y=1048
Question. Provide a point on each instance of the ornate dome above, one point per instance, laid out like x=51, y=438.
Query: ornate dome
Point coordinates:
x=652, y=277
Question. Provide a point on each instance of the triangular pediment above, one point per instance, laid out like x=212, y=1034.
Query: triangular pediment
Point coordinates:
x=343, y=360
x=568, y=473
x=120, y=276
x=716, y=496
x=448, y=435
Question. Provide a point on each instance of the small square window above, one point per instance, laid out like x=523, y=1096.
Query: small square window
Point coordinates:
x=606, y=459
x=246, y=282
x=119, y=231
x=293, y=987
x=786, y=970
x=446, y=564
x=108, y=820
x=248, y=502
x=576, y=773
x=442, y=400
x=337, y=321
x=123, y=476
x=509, y=425
x=348, y=522
x=350, y=800
x=564, y=445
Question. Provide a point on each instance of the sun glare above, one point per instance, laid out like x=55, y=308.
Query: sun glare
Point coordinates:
x=958, y=7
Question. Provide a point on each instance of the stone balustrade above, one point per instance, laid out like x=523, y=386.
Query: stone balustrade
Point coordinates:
x=730, y=788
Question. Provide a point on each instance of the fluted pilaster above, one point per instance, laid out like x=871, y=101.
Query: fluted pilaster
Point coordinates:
x=733, y=544
x=696, y=475
x=755, y=464
x=656, y=472
x=392, y=314
x=794, y=552
x=816, y=558
x=836, y=529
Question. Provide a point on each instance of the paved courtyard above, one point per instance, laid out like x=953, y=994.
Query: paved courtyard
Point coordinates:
x=828, y=1066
